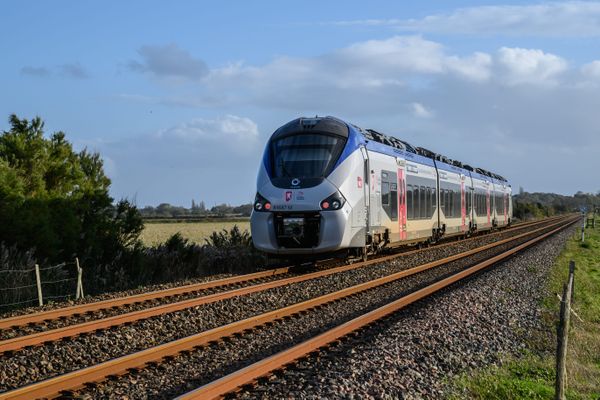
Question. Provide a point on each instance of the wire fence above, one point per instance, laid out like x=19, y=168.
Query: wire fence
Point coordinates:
x=36, y=285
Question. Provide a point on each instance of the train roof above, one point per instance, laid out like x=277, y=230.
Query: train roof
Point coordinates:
x=392, y=141
x=328, y=125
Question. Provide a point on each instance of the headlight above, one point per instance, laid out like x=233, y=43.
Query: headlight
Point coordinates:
x=261, y=204
x=334, y=202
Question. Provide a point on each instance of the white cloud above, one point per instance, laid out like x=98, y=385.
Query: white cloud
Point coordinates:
x=556, y=19
x=419, y=110
x=591, y=70
x=228, y=131
x=368, y=65
x=476, y=67
x=530, y=66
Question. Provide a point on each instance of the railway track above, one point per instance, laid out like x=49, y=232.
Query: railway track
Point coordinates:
x=226, y=289
x=194, y=289
x=77, y=379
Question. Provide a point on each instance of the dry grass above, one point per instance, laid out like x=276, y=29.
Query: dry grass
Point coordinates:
x=156, y=233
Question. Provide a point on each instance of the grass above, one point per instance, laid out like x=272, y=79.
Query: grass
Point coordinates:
x=532, y=375
x=156, y=233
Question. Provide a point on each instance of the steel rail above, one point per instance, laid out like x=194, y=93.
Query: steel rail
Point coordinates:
x=105, y=323
x=77, y=379
x=95, y=325
x=229, y=383
x=65, y=312
x=26, y=319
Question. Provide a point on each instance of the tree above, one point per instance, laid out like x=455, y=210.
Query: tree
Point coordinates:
x=56, y=201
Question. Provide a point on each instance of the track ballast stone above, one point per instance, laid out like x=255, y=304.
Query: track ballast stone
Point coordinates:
x=413, y=353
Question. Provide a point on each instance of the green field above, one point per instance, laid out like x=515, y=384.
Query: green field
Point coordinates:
x=156, y=233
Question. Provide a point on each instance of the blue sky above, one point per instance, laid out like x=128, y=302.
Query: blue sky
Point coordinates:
x=180, y=97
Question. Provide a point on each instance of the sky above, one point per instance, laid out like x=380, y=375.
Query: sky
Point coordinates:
x=181, y=97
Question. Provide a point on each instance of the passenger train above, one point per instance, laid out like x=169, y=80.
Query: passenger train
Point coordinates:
x=327, y=186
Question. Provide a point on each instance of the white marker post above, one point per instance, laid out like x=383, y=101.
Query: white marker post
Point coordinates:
x=39, y=284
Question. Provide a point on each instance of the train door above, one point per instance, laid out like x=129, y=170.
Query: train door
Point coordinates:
x=389, y=194
x=375, y=205
x=469, y=195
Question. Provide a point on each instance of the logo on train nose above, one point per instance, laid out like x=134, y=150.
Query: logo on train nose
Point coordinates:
x=295, y=182
x=288, y=196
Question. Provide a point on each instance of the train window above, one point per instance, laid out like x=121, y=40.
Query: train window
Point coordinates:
x=305, y=155
x=480, y=204
x=443, y=201
x=446, y=202
x=468, y=199
x=433, y=200
x=483, y=206
x=409, y=202
x=424, y=203
x=458, y=204
x=417, y=202
x=385, y=193
x=450, y=203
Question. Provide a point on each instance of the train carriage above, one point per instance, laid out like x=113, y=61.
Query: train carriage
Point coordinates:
x=326, y=186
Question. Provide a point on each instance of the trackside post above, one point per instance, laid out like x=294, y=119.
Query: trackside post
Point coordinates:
x=79, y=289
x=563, y=333
x=38, y=282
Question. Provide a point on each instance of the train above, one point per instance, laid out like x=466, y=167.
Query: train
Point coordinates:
x=326, y=186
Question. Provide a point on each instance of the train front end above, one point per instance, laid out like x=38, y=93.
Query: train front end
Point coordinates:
x=303, y=204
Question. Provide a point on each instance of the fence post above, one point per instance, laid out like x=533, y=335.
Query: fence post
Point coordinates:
x=39, y=284
x=563, y=332
x=79, y=290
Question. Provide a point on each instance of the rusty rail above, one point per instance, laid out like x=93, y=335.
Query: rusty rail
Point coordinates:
x=77, y=379
x=95, y=325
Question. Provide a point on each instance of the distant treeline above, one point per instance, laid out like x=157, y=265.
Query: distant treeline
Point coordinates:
x=535, y=205
x=198, y=210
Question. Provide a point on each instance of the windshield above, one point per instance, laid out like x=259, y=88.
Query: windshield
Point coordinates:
x=305, y=155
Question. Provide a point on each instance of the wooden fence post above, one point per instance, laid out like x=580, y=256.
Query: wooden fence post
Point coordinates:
x=563, y=335
x=79, y=290
x=39, y=285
